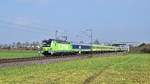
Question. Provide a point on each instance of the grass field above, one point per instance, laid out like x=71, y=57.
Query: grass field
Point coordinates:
x=130, y=69
x=17, y=53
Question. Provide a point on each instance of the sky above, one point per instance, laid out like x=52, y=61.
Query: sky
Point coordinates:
x=110, y=20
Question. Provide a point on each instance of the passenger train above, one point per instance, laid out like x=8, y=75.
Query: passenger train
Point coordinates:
x=52, y=47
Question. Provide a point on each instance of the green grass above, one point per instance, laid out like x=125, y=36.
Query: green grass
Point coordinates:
x=130, y=69
x=17, y=53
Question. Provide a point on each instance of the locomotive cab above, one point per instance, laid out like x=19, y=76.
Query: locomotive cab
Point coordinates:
x=52, y=46
x=46, y=46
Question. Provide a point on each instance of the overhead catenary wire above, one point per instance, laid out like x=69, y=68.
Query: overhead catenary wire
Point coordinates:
x=31, y=28
x=28, y=28
x=34, y=28
x=34, y=25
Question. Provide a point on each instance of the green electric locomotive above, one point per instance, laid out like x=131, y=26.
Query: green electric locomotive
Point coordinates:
x=51, y=46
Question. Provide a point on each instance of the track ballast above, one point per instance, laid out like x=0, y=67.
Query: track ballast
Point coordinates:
x=12, y=60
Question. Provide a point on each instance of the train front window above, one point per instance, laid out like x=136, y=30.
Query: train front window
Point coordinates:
x=46, y=43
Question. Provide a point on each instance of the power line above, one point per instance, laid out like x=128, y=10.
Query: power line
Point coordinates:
x=24, y=27
x=38, y=26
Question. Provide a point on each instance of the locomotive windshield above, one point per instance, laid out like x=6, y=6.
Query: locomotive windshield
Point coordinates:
x=46, y=43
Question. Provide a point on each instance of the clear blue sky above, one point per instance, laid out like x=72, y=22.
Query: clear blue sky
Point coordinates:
x=110, y=20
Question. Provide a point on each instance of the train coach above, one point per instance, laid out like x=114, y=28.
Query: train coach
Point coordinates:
x=59, y=47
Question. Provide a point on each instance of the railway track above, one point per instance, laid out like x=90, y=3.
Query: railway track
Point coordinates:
x=28, y=59
x=2, y=61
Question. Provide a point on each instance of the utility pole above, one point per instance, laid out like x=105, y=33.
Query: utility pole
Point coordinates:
x=65, y=36
x=91, y=42
x=91, y=39
x=56, y=34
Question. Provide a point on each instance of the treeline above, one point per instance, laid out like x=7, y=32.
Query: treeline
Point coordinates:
x=21, y=46
x=144, y=48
